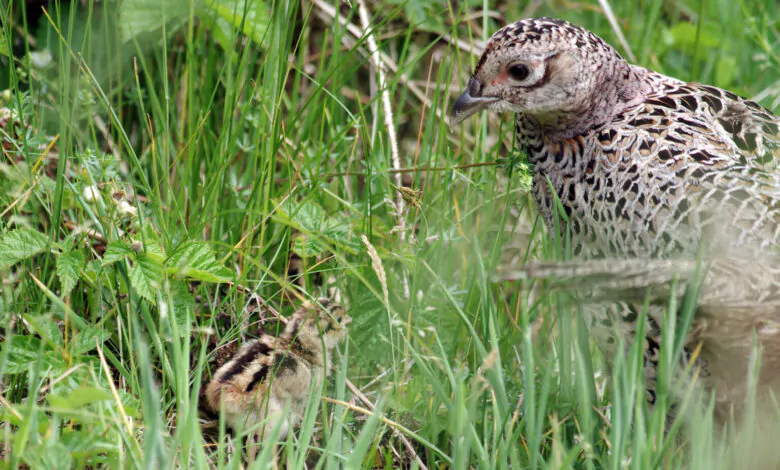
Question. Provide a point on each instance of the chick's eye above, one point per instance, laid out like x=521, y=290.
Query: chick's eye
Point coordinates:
x=519, y=71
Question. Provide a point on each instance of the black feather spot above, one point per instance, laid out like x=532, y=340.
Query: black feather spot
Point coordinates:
x=690, y=103
x=285, y=363
x=257, y=377
x=244, y=358
x=715, y=104
x=664, y=155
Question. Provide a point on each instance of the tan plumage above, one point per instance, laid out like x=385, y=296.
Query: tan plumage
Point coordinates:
x=647, y=168
x=252, y=388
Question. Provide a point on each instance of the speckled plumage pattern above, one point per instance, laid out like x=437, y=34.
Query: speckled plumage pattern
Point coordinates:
x=266, y=374
x=648, y=167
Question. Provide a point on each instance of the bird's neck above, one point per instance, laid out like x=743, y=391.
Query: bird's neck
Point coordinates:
x=309, y=349
x=621, y=88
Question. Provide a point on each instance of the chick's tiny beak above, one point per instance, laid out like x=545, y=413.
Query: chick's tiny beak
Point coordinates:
x=347, y=320
x=470, y=102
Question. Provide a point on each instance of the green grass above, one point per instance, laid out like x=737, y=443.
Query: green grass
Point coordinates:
x=151, y=168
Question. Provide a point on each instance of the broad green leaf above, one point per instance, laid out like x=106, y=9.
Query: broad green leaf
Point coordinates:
x=69, y=265
x=180, y=303
x=146, y=276
x=24, y=351
x=307, y=216
x=305, y=245
x=725, y=71
x=250, y=16
x=139, y=17
x=84, y=341
x=116, y=251
x=684, y=35
x=55, y=455
x=197, y=260
x=47, y=327
x=4, y=50
x=79, y=398
x=151, y=244
x=20, y=244
x=341, y=236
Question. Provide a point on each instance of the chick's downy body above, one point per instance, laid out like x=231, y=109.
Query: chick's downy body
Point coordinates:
x=271, y=372
x=647, y=167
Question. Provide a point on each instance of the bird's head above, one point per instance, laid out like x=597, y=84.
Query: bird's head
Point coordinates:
x=545, y=68
x=317, y=321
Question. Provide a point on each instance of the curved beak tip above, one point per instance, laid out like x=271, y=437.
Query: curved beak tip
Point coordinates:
x=467, y=104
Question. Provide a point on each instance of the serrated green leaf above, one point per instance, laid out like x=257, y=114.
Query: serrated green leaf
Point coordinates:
x=84, y=341
x=304, y=246
x=69, y=265
x=47, y=327
x=23, y=351
x=146, y=276
x=116, y=251
x=181, y=302
x=340, y=234
x=306, y=216
x=20, y=244
x=197, y=260
x=79, y=398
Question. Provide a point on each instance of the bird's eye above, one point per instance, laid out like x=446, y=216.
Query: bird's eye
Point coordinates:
x=519, y=71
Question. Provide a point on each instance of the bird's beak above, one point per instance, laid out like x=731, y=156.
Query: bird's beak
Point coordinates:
x=470, y=102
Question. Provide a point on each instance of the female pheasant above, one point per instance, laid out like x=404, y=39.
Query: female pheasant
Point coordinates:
x=651, y=169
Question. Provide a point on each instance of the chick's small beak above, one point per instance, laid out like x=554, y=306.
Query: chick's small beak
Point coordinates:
x=470, y=102
x=346, y=321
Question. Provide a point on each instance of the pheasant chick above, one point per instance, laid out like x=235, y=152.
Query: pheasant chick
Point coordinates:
x=253, y=387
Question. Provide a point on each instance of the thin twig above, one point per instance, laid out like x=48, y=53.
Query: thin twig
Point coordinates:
x=378, y=65
x=477, y=47
x=101, y=125
x=114, y=393
x=359, y=395
x=89, y=232
x=328, y=12
x=396, y=426
x=253, y=296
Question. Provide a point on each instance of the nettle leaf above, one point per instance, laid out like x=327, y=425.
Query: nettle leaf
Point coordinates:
x=86, y=340
x=307, y=216
x=305, y=245
x=78, y=398
x=69, y=265
x=146, y=275
x=23, y=351
x=340, y=234
x=196, y=260
x=48, y=329
x=20, y=244
x=116, y=251
x=180, y=302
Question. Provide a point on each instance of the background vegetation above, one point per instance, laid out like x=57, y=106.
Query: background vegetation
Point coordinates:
x=174, y=175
